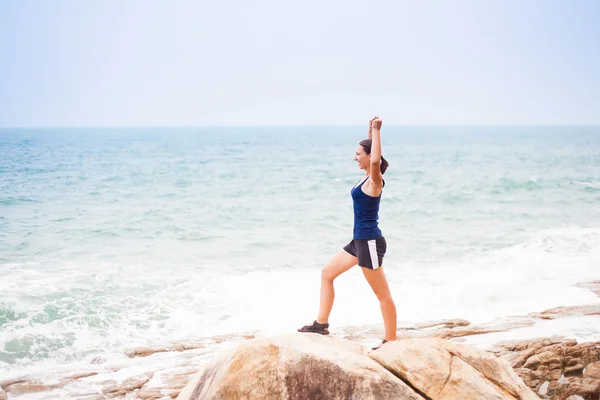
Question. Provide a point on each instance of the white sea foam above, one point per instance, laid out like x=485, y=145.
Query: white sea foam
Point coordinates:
x=533, y=276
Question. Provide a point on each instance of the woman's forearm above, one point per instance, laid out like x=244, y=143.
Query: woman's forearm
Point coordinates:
x=371, y=127
x=376, y=142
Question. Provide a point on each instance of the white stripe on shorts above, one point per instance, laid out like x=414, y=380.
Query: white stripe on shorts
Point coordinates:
x=373, y=253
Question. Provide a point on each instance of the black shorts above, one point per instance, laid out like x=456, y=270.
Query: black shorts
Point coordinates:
x=369, y=252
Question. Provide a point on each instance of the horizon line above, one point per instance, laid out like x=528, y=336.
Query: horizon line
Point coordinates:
x=532, y=125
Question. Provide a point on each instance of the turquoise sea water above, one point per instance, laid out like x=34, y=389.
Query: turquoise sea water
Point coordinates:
x=112, y=238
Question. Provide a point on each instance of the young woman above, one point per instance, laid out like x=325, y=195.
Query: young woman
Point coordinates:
x=368, y=245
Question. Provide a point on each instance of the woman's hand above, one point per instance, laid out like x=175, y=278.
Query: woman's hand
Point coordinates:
x=371, y=126
x=376, y=123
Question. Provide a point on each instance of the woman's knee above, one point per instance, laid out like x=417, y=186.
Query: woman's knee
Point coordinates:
x=385, y=297
x=327, y=275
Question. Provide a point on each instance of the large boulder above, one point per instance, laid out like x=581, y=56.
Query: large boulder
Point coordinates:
x=310, y=366
x=297, y=366
x=443, y=370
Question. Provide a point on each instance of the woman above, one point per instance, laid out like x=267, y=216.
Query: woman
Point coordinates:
x=368, y=246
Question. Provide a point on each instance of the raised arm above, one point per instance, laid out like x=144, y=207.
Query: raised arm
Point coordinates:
x=371, y=128
x=375, y=131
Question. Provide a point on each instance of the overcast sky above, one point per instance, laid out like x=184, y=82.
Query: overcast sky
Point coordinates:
x=276, y=62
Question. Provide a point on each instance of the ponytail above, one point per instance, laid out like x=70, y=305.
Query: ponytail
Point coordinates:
x=366, y=144
x=384, y=165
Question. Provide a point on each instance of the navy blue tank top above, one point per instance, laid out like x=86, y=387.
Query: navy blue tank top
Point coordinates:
x=366, y=209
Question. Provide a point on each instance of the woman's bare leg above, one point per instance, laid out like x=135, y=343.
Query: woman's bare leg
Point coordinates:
x=379, y=284
x=339, y=264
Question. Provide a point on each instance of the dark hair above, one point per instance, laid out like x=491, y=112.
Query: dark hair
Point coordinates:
x=366, y=144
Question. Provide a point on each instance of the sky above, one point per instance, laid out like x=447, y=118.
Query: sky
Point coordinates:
x=273, y=62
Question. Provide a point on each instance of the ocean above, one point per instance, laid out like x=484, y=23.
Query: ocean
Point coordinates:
x=124, y=237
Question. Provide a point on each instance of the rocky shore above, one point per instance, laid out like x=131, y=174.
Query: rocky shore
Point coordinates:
x=431, y=360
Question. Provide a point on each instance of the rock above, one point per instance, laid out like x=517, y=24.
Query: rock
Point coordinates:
x=175, y=346
x=23, y=387
x=592, y=371
x=465, y=383
x=2, y=395
x=127, y=386
x=6, y=383
x=145, y=351
x=174, y=384
x=446, y=323
x=426, y=368
x=297, y=366
x=150, y=394
x=566, y=311
x=575, y=370
x=591, y=378
x=555, y=368
x=84, y=375
x=443, y=370
x=444, y=329
x=458, y=328
x=589, y=386
x=307, y=366
x=93, y=396
x=461, y=331
x=171, y=386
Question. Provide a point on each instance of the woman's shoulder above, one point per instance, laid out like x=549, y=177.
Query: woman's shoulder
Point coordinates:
x=372, y=182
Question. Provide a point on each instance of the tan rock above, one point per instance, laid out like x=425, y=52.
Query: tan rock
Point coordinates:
x=424, y=363
x=298, y=366
x=171, y=386
x=150, y=394
x=317, y=367
x=2, y=395
x=442, y=370
x=483, y=329
x=492, y=368
x=565, y=367
x=145, y=351
x=127, y=386
x=174, y=384
x=566, y=311
x=466, y=383
x=589, y=386
x=174, y=346
x=591, y=378
x=84, y=375
x=27, y=387
x=183, y=345
x=446, y=323
x=592, y=371
x=457, y=328
x=6, y=383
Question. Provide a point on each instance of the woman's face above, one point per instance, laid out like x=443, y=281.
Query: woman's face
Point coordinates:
x=361, y=157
